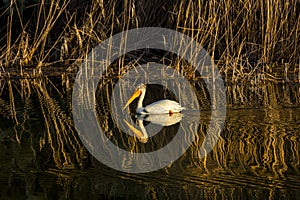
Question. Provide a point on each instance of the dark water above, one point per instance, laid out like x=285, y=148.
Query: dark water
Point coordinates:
x=42, y=157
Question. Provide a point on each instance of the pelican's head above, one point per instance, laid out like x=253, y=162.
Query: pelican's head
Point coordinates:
x=137, y=93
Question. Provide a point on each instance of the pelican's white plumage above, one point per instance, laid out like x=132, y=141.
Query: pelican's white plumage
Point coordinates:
x=158, y=107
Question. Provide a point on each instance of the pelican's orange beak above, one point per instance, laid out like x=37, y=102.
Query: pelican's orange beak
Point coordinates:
x=136, y=94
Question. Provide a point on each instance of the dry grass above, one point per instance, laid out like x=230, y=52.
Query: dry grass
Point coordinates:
x=242, y=36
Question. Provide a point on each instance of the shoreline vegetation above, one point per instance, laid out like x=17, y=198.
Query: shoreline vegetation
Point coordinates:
x=245, y=38
x=255, y=45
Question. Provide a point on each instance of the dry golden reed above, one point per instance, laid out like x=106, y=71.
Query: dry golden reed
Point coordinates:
x=241, y=36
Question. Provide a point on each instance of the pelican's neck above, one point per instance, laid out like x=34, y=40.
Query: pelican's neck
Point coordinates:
x=141, y=99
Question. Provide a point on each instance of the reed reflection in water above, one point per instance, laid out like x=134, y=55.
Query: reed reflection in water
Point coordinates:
x=256, y=156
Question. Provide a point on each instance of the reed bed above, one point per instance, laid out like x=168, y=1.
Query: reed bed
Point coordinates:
x=243, y=37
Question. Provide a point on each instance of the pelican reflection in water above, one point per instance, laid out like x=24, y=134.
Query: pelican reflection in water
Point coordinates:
x=161, y=119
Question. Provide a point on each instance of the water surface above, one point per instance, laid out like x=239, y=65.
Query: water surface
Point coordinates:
x=256, y=157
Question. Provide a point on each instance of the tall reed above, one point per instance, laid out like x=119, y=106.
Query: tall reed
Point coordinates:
x=239, y=35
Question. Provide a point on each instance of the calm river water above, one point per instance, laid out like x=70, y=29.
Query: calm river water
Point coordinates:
x=42, y=156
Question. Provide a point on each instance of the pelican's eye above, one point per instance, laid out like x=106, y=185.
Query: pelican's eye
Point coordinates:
x=142, y=86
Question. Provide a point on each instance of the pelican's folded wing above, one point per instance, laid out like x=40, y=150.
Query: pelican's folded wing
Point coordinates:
x=163, y=106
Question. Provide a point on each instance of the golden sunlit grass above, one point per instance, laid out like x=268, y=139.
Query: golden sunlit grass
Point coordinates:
x=242, y=36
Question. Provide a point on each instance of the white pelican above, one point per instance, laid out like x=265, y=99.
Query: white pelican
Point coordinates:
x=158, y=107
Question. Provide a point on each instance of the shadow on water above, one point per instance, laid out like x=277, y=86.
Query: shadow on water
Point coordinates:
x=257, y=154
